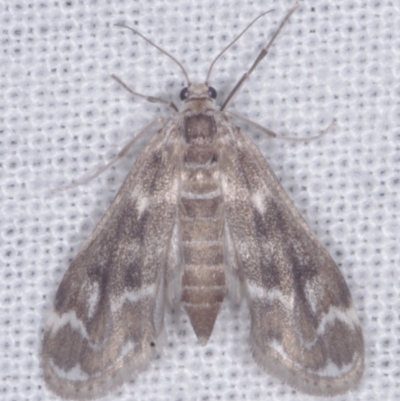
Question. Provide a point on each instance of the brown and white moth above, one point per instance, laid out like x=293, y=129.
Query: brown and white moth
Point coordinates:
x=202, y=216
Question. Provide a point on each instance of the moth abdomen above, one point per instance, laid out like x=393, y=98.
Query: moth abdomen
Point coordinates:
x=203, y=291
x=201, y=222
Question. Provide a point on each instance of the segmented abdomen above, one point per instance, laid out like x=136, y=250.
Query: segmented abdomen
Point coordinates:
x=201, y=222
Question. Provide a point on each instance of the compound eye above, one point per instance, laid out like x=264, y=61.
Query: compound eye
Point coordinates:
x=184, y=94
x=212, y=92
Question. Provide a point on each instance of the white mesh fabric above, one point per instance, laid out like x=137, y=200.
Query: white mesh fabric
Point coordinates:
x=63, y=117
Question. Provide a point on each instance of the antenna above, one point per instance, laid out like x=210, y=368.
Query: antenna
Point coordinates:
x=160, y=49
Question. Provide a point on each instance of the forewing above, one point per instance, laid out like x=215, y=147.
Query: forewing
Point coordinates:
x=109, y=308
x=304, y=326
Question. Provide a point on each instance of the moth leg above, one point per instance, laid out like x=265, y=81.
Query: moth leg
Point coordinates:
x=262, y=54
x=150, y=99
x=273, y=134
x=119, y=156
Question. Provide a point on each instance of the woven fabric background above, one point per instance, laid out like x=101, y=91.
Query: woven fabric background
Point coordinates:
x=63, y=118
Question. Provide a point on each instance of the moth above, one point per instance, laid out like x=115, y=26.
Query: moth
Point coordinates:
x=200, y=217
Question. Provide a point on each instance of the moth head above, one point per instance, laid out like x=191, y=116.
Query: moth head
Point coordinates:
x=198, y=91
x=201, y=94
